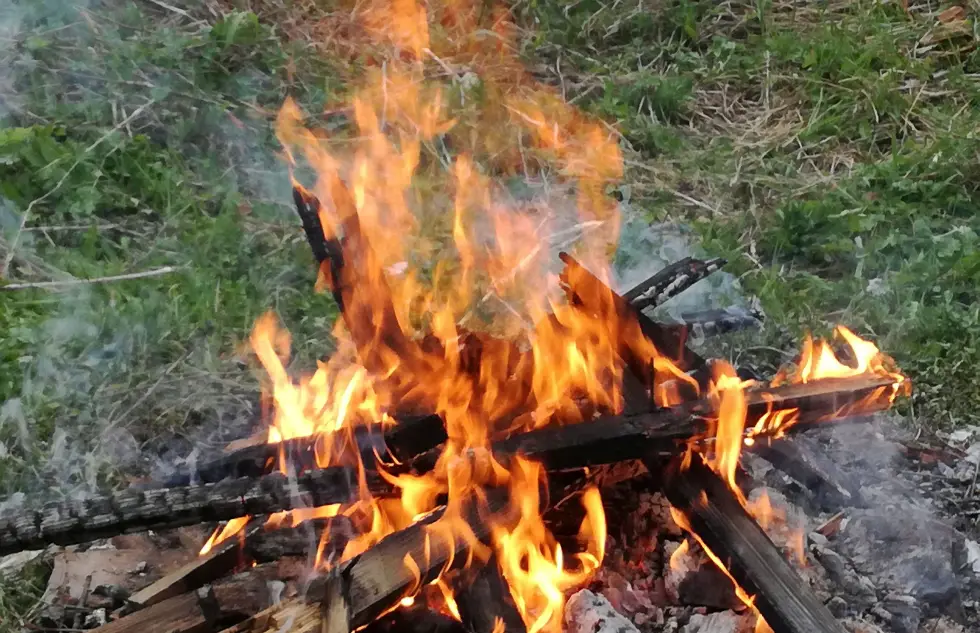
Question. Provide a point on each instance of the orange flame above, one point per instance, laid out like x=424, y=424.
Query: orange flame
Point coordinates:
x=223, y=533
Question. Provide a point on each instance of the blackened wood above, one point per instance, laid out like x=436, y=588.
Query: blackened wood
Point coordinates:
x=141, y=510
x=726, y=528
x=829, y=487
x=671, y=281
x=352, y=272
x=590, y=293
x=616, y=438
x=484, y=598
x=605, y=440
x=410, y=436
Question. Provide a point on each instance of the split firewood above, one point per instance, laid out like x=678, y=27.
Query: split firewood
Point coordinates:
x=753, y=560
x=210, y=607
x=222, y=559
x=485, y=602
x=671, y=281
x=140, y=510
x=374, y=581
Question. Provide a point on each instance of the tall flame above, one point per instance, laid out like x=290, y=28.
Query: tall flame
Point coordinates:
x=444, y=105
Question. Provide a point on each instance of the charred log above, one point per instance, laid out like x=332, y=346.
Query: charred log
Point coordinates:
x=409, y=437
x=140, y=510
x=726, y=528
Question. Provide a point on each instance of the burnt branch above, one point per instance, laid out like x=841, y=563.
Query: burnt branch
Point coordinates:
x=726, y=528
x=671, y=281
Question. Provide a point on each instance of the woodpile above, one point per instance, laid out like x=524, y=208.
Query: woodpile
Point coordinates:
x=206, y=595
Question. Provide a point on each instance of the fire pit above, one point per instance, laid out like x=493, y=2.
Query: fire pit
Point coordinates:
x=452, y=464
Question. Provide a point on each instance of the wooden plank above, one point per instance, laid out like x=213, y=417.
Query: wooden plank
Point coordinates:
x=721, y=523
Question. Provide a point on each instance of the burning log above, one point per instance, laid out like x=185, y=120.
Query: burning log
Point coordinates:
x=485, y=600
x=616, y=438
x=410, y=436
x=140, y=510
x=671, y=281
x=720, y=522
x=605, y=440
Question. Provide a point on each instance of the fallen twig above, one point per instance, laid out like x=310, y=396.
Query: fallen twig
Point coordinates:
x=67, y=283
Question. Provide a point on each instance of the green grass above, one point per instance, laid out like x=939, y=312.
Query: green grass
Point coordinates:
x=830, y=152
x=833, y=154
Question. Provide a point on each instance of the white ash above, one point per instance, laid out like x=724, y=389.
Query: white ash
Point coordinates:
x=721, y=622
x=586, y=612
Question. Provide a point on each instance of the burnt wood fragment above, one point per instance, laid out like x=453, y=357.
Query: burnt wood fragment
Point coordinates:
x=722, y=525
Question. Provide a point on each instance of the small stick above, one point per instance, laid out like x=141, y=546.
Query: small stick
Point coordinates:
x=67, y=283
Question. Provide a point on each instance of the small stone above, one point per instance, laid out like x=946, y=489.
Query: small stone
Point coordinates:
x=837, y=606
x=96, y=619
x=816, y=538
x=141, y=567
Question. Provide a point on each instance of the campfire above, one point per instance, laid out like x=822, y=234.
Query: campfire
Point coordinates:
x=484, y=385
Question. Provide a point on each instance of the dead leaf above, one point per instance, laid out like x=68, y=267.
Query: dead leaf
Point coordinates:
x=952, y=14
